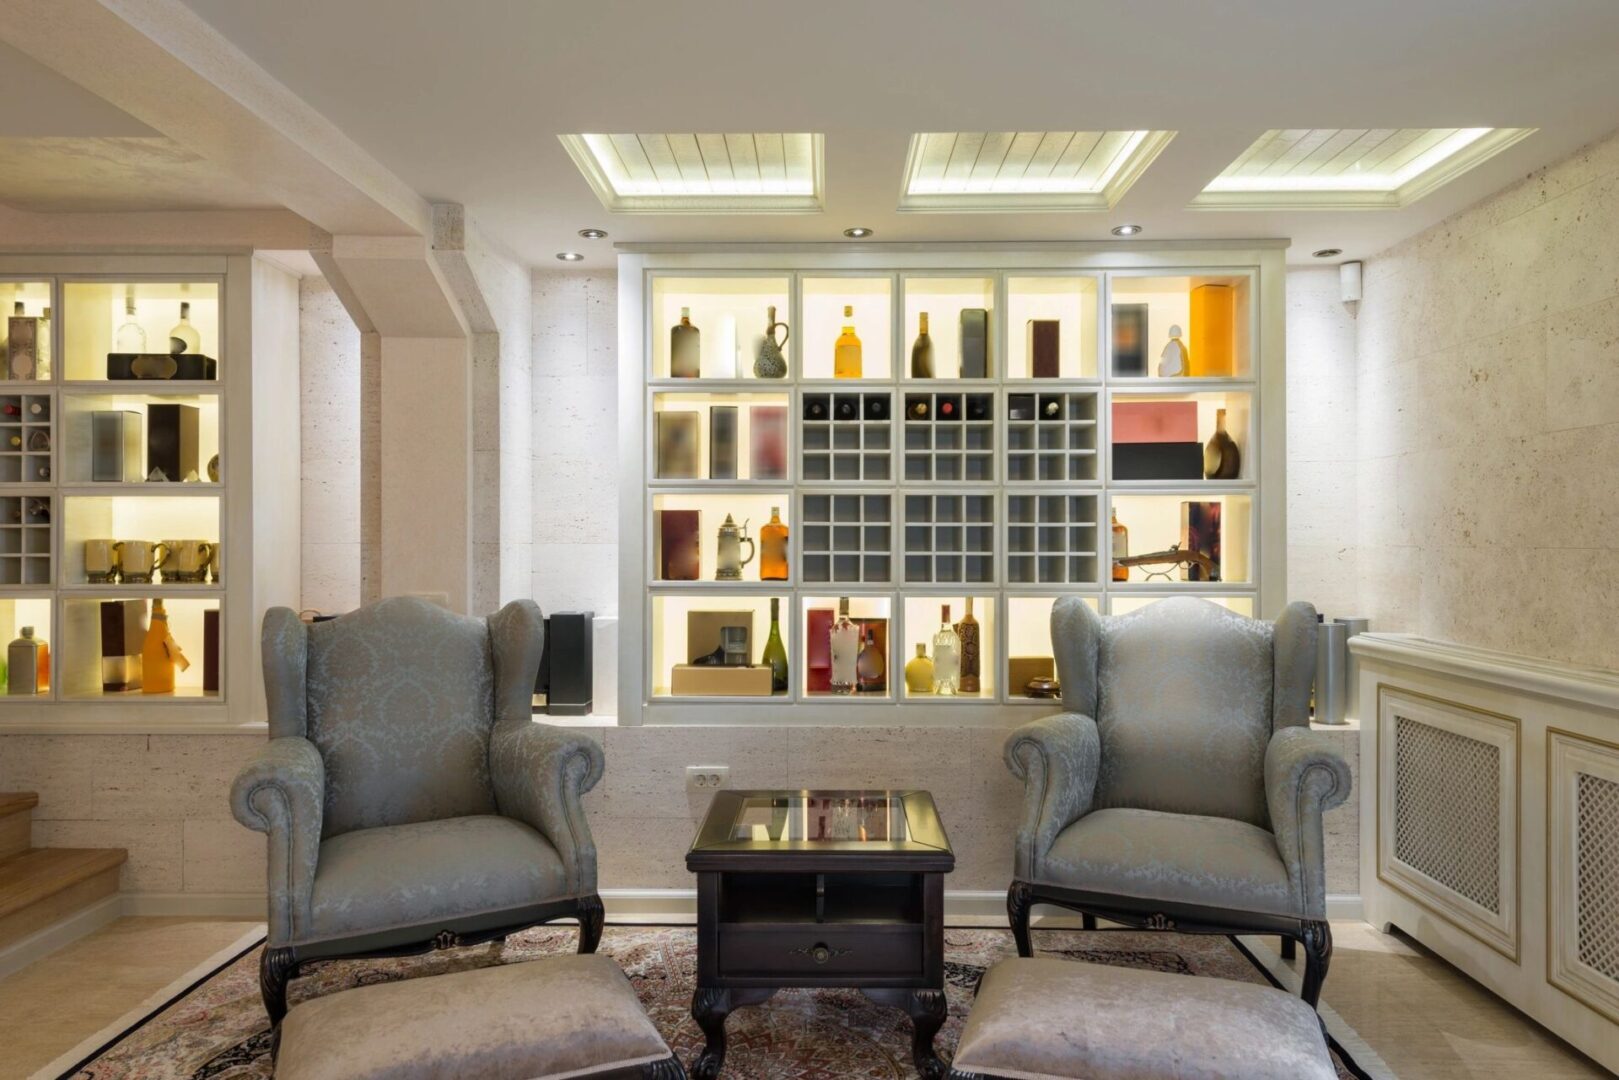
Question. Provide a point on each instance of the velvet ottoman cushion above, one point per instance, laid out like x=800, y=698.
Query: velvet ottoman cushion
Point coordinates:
x=562, y=1016
x=1041, y=1019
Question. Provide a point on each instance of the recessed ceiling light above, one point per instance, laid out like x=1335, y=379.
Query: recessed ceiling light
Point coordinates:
x=1126, y=230
x=1327, y=253
x=1350, y=168
x=684, y=173
x=1009, y=171
x=570, y=256
x=859, y=232
x=593, y=234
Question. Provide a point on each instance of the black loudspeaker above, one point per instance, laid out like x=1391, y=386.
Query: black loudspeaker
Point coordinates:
x=566, y=675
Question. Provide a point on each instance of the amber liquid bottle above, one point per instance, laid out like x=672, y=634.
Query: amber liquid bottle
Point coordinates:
x=160, y=654
x=967, y=631
x=1121, y=549
x=773, y=548
x=846, y=355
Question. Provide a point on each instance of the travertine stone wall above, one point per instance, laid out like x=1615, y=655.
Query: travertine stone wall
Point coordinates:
x=1488, y=417
x=329, y=349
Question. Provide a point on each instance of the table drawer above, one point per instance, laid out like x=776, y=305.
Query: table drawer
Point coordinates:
x=820, y=951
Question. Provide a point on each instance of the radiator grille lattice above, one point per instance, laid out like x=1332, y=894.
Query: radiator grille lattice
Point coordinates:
x=1596, y=839
x=1447, y=809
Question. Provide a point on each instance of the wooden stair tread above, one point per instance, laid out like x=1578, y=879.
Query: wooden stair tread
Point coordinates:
x=17, y=802
x=34, y=875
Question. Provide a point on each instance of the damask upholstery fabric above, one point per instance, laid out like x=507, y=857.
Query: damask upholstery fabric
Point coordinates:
x=540, y=775
x=1184, y=710
x=1057, y=758
x=1175, y=858
x=1304, y=777
x=430, y=872
x=1047, y=1019
x=281, y=793
x=1076, y=635
x=562, y=1016
x=400, y=704
x=284, y=645
x=1294, y=643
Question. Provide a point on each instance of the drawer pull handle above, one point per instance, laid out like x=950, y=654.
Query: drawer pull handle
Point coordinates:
x=819, y=952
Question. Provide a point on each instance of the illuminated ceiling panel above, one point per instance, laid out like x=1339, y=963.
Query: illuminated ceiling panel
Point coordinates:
x=1350, y=168
x=1008, y=171
x=702, y=174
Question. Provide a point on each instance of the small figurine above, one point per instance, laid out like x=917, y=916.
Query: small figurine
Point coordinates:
x=1174, y=360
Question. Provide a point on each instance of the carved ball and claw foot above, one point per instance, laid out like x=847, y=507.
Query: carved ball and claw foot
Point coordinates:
x=667, y=1069
x=709, y=1008
x=927, y=1010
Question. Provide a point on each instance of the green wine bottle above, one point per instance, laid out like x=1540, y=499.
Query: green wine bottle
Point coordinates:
x=775, y=653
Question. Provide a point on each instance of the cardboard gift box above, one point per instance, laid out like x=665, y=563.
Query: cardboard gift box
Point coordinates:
x=712, y=680
x=1021, y=669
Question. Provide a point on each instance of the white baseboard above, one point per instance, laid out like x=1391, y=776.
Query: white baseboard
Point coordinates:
x=962, y=907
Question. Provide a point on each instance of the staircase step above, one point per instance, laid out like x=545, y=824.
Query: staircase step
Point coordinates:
x=46, y=885
x=16, y=821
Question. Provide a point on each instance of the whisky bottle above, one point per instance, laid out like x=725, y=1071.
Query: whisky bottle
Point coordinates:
x=845, y=651
x=129, y=337
x=160, y=654
x=1221, y=458
x=919, y=672
x=846, y=358
x=184, y=337
x=1121, y=549
x=42, y=667
x=773, y=548
x=870, y=667
x=946, y=656
x=967, y=632
x=685, y=348
x=775, y=654
x=922, y=351
x=22, y=663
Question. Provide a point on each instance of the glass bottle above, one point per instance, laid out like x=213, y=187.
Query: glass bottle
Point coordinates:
x=42, y=668
x=967, y=630
x=160, y=654
x=773, y=548
x=922, y=352
x=1121, y=548
x=22, y=344
x=45, y=344
x=184, y=337
x=871, y=668
x=845, y=651
x=23, y=664
x=919, y=672
x=775, y=654
x=946, y=656
x=846, y=354
x=685, y=348
x=1221, y=458
x=129, y=337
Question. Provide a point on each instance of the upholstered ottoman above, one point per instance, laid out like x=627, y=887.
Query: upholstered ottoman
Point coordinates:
x=1041, y=1019
x=563, y=1016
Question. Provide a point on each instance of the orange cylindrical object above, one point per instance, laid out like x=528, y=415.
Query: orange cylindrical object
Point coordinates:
x=1210, y=337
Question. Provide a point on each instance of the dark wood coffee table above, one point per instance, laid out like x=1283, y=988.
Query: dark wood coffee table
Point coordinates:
x=820, y=889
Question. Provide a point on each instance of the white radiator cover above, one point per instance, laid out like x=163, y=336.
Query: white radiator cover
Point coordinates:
x=1490, y=807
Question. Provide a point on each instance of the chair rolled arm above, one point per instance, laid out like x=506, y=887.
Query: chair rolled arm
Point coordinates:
x=1305, y=776
x=282, y=792
x=541, y=774
x=1058, y=759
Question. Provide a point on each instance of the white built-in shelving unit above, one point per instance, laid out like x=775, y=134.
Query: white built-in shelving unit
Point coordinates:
x=51, y=502
x=1006, y=496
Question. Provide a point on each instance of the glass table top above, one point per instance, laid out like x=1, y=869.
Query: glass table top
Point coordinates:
x=885, y=821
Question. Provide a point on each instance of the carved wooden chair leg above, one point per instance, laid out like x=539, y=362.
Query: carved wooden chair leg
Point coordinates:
x=1317, y=939
x=1290, y=948
x=591, y=916
x=667, y=1069
x=1086, y=921
x=1019, y=900
x=277, y=967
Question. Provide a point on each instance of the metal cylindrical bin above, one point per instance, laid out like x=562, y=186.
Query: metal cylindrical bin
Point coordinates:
x=1331, y=671
x=1352, y=626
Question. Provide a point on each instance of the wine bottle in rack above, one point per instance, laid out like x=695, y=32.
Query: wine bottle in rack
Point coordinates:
x=922, y=351
x=876, y=406
x=845, y=408
x=846, y=358
x=917, y=409
x=815, y=407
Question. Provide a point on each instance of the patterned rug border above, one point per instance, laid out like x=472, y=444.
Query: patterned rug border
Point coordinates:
x=170, y=996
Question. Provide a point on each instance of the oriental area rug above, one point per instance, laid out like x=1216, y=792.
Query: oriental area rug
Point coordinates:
x=215, y=1029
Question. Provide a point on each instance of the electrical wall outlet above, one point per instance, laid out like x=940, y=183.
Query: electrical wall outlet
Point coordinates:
x=707, y=777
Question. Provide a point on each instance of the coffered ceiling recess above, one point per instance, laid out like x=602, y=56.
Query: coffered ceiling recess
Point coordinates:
x=1009, y=171
x=703, y=174
x=1350, y=168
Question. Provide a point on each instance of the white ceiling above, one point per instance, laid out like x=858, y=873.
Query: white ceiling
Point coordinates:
x=464, y=101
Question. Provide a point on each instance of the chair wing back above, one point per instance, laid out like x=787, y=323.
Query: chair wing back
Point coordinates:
x=1186, y=695
x=399, y=698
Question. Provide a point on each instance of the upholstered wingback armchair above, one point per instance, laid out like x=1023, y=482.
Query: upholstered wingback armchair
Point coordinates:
x=1181, y=787
x=409, y=798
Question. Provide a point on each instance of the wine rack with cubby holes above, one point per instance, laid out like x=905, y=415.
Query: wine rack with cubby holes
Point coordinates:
x=998, y=488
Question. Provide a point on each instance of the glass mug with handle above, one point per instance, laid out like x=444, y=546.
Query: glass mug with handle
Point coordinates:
x=138, y=559
x=185, y=560
x=101, y=561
